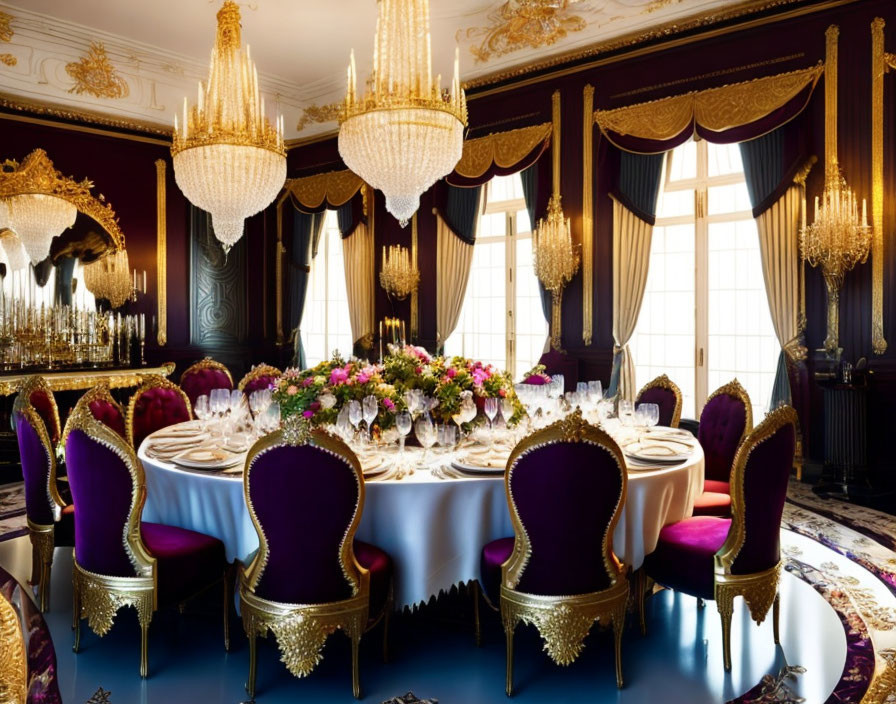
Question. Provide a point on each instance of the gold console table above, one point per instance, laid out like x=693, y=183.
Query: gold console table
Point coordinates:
x=82, y=379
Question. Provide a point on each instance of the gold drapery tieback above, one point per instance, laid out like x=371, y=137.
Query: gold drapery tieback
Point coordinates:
x=503, y=149
x=715, y=109
x=795, y=350
x=333, y=187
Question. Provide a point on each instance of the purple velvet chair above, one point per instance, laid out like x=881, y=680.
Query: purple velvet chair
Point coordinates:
x=50, y=520
x=156, y=404
x=727, y=419
x=202, y=377
x=566, y=487
x=118, y=560
x=721, y=558
x=104, y=408
x=305, y=494
x=556, y=362
x=664, y=393
x=260, y=377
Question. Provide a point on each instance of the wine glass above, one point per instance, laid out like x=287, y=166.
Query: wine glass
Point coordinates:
x=426, y=434
x=557, y=385
x=403, y=422
x=354, y=415
x=625, y=412
x=370, y=410
x=491, y=410
x=343, y=425
x=650, y=414
x=202, y=411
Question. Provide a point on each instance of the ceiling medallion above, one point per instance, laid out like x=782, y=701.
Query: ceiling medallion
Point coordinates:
x=228, y=158
x=6, y=36
x=521, y=24
x=95, y=75
x=319, y=114
x=404, y=133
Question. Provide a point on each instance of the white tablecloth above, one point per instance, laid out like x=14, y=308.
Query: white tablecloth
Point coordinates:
x=434, y=529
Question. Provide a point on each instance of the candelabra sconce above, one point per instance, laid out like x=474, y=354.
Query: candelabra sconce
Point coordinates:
x=392, y=332
x=138, y=286
x=556, y=260
x=398, y=275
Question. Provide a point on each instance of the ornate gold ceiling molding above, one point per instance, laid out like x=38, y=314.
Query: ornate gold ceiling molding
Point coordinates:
x=318, y=114
x=36, y=174
x=716, y=109
x=334, y=187
x=6, y=35
x=95, y=75
x=503, y=149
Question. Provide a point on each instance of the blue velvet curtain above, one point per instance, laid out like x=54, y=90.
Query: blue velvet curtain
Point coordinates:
x=307, y=228
x=530, y=193
x=460, y=211
x=65, y=270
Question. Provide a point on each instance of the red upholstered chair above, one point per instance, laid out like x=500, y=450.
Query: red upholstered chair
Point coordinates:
x=202, y=377
x=722, y=558
x=100, y=404
x=42, y=400
x=50, y=520
x=156, y=404
x=119, y=560
x=556, y=362
x=305, y=494
x=664, y=393
x=566, y=487
x=727, y=419
x=258, y=378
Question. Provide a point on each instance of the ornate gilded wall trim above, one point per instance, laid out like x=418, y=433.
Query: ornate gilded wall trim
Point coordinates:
x=6, y=35
x=587, y=214
x=334, y=187
x=878, y=69
x=715, y=109
x=521, y=25
x=501, y=148
x=278, y=268
x=95, y=75
x=415, y=315
x=318, y=114
x=830, y=97
x=162, y=252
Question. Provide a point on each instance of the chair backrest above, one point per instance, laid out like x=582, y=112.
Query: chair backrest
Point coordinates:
x=202, y=377
x=726, y=420
x=102, y=406
x=664, y=393
x=156, y=404
x=759, y=483
x=108, y=489
x=38, y=463
x=40, y=396
x=305, y=500
x=258, y=378
x=566, y=486
x=561, y=363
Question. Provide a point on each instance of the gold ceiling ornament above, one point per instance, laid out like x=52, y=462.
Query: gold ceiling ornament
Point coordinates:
x=404, y=133
x=879, y=67
x=503, y=149
x=655, y=5
x=6, y=35
x=715, y=109
x=333, y=187
x=95, y=75
x=109, y=278
x=556, y=257
x=836, y=240
x=522, y=24
x=228, y=158
x=318, y=114
x=399, y=275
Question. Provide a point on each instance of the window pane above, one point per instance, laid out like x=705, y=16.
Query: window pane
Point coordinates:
x=723, y=159
x=523, y=226
x=531, y=326
x=733, y=198
x=502, y=188
x=675, y=204
x=683, y=163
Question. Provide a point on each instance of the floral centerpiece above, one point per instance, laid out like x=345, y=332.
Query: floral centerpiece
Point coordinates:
x=319, y=393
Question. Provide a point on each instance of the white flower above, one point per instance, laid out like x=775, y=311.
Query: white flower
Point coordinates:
x=327, y=401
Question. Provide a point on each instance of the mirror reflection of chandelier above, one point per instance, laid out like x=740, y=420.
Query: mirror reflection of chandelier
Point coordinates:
x=403, y=134
x=228, y=158
x=13, y=251
x=109, y=278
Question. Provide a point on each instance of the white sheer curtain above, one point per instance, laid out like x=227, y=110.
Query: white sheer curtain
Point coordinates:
x=453, y=259
x=359, y=278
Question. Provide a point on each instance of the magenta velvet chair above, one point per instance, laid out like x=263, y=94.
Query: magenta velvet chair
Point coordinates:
x=260, y=377
x=556, y=362
x=722, y=558
x=566, y=487
x=50, y=520
x=664, y=393
x=156, y=404
x=104, y=408
x=305, y=494
x=200, y=378
x=119, y=560
x=727, y=419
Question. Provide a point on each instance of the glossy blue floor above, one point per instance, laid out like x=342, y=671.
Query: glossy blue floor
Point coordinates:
x=433, y=653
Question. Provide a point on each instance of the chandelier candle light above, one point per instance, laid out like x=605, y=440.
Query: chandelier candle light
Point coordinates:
x=228, y=158
x=404, y=133
x=398, y=275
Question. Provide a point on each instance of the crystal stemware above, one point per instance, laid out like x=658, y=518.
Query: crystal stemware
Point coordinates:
x=370, y=409
x=491, y=410
x=426, y=435
x=354, y=415
x=403, y=423
x=202, y=411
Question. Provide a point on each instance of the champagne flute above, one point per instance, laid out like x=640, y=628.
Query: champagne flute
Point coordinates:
x=202, y=411
x=403, y=423
x=370, y=409
x=491, y=410
x=426, y=435
x=354, y=415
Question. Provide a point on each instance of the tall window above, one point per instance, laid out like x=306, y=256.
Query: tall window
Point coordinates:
x=705, y=317
x=326, y=325
x=502, y=321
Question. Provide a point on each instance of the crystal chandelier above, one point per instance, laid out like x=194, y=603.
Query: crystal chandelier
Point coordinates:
x=15, y=255
x=228, y=158
x=398, y=275
x=109, y=278
x=37, y=218
x=404, y=133
x=556, y=259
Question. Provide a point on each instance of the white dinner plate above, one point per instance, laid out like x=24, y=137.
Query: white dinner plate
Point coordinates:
x=659, y=451
x=478, y=469
x=207, y=458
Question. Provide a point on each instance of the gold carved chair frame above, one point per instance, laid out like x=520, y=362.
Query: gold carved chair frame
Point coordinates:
x=206, y=363
x=151, y=381
x=100, y=392
x=664, y=382
x=256, y=372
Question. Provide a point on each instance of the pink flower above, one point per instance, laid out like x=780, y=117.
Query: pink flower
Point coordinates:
x=308, y=382
x=388, y=404
x=315, y=406
x=502, y=393
x=451, y=372
x=363, y=378
x=479, y=376
x=308, y=414
x=338, y=376
x=292, y=390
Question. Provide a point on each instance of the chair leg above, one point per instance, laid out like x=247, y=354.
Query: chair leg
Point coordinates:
x=641, y=586
x=356, y=674
x=227, y=599
x=253, y=663
x=725, y=603
x=618, y=627
x=776, y=617
x=508, y=686
x=76, y=614
x=144, y=615
x=44, y=590
x=477, y=629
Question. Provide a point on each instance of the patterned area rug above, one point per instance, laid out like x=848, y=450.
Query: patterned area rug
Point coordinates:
x=12, y=511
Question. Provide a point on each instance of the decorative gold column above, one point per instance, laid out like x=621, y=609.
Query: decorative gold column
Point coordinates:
x=556, y=296
x=878, y=69
x=161, y=252
x=278, y=268
x=587, y=213
x=414, y=304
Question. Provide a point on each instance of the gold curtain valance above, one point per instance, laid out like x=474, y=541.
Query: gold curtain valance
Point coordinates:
x=715, y=109
x=504, y=149
x=334, y=187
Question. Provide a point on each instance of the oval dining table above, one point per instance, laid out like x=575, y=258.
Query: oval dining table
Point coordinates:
x=433, y=528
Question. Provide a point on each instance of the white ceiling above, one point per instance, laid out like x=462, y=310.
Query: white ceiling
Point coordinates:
x=161, y=47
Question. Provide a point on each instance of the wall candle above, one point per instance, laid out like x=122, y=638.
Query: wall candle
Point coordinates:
x=144, y=281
